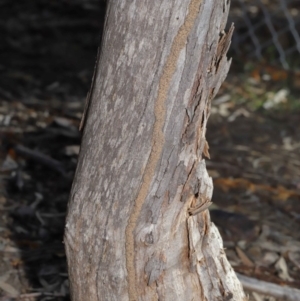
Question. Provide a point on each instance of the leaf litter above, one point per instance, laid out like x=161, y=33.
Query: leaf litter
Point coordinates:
x=255, y=160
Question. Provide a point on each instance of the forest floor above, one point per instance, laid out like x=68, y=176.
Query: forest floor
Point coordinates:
x=48, y=51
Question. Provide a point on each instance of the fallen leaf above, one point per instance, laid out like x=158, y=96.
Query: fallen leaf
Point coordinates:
x=282, y=269
x=244, y=258
x=9, y=289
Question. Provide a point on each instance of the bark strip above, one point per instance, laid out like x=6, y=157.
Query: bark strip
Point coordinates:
x=157, y=139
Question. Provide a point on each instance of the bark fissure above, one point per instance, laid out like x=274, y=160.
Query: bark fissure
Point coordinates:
x=157, y=140
x=164, y=173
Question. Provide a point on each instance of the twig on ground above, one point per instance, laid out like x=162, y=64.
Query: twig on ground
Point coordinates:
x=271, y=289
x=40, y=294
x=40, y=158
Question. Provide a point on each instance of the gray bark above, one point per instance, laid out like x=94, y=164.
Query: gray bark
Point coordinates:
x=138, y=227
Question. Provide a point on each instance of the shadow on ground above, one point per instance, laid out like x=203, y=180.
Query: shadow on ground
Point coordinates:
x=48, y=52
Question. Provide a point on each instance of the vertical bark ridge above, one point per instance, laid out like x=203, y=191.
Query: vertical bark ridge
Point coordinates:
x=157, y=140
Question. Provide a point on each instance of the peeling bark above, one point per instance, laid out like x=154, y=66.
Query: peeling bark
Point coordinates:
x=138, y=227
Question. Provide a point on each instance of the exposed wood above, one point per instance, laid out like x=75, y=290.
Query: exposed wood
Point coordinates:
x=270, y=289
x=137, y=226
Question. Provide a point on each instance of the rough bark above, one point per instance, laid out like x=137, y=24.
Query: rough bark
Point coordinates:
x=137, y=225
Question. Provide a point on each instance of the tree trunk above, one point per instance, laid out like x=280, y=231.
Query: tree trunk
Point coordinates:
x=137, y=225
